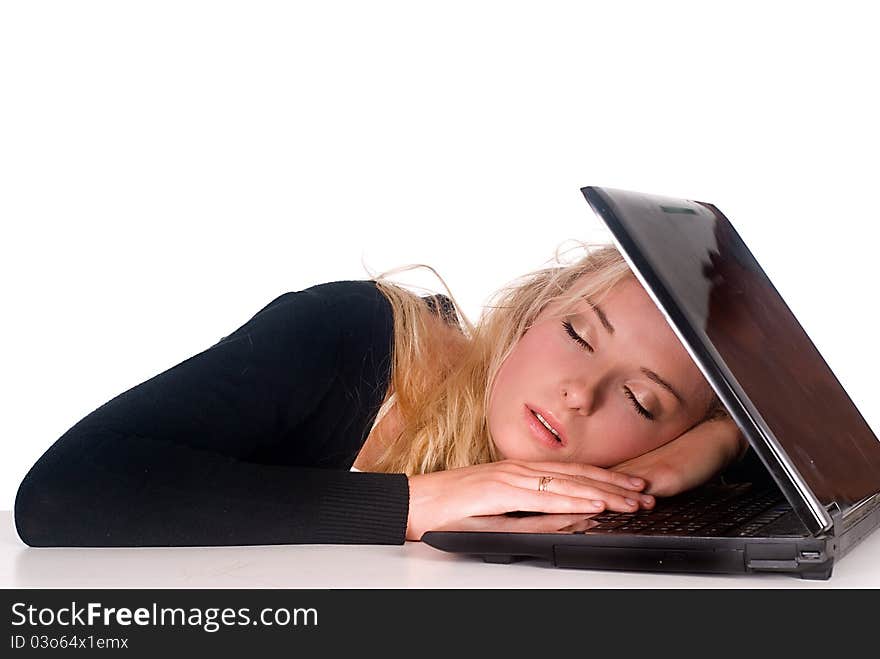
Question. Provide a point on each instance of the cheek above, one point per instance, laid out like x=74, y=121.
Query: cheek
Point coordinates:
x=521, y=367
x=621, y=437
x=500, y=397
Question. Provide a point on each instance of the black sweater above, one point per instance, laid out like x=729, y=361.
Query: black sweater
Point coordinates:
x=246, y=443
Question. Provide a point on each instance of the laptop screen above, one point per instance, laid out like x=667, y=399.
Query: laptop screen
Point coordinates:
x=751, y=346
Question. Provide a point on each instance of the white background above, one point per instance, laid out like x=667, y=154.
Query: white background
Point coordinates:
x=167, y=168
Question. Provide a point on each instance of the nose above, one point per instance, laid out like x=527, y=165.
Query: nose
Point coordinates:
x=579, y=396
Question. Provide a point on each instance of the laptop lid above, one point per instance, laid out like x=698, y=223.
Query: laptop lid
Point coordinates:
x=751, y=349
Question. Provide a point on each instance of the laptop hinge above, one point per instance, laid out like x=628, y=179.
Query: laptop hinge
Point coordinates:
x=836, y=518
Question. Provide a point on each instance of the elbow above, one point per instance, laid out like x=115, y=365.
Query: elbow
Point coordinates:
x=54, y=504
x=64, y=500
x=32, y=514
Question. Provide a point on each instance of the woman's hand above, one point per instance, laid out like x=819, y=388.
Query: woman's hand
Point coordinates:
x=689, y=460
x=496, y=488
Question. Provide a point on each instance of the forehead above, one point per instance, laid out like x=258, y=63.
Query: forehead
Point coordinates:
x=626, y=295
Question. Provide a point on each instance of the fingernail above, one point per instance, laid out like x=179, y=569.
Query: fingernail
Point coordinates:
x=648, y=499
x=638, y=482
x=631, y=502
x=598, y=504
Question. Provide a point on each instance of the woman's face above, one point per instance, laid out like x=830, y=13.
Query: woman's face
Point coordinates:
x=591, y=396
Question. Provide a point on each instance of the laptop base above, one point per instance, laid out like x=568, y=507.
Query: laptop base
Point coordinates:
x=806, y=557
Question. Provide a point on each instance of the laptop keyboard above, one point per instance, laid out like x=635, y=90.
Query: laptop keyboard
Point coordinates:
x=740, y=510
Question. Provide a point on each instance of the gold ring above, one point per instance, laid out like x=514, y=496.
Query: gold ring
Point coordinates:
x=543, y=482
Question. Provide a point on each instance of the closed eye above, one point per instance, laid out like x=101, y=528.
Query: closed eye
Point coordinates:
x=641, y=410
x=569, y=329
x=577, y=338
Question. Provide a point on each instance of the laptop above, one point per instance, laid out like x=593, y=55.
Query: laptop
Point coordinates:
x=814, y=490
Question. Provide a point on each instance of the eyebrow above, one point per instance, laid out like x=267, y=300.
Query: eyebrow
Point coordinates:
x=647, y=371
x=602, y=317
x=663, y=383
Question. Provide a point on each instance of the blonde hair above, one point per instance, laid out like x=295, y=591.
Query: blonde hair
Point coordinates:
x=441, y=386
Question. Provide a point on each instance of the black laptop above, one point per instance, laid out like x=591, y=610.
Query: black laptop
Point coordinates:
x=813, y=491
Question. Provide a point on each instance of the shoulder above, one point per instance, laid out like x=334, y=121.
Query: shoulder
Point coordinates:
x=330, y=292
x=354, y=310
x=358, y=313
x=351, y=301
x=354, y=304
x=356, y=297
x=347, y=290
x=323, y=310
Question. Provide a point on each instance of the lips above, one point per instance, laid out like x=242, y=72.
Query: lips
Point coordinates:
x=539, y=427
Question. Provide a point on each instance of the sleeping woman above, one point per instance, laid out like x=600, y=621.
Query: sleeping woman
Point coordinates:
x=356, y=412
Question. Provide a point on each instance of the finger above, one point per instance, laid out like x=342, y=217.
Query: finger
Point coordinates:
x=621, y=479
x=639, y=496
x=594, y=488
x=550, y=502
x=615, y=498
x=550, y=523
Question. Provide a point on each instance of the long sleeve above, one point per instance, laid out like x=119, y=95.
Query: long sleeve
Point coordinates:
x=248, y=442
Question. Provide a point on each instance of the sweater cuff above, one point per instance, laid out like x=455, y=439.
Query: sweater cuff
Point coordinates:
x=364, y=508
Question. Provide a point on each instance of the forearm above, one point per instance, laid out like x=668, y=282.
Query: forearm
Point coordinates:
x=689, y=460
x=100, y=488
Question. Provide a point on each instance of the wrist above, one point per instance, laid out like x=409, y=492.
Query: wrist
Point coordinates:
x=413, y=523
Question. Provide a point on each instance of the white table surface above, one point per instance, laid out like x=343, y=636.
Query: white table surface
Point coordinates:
x=411, y=565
